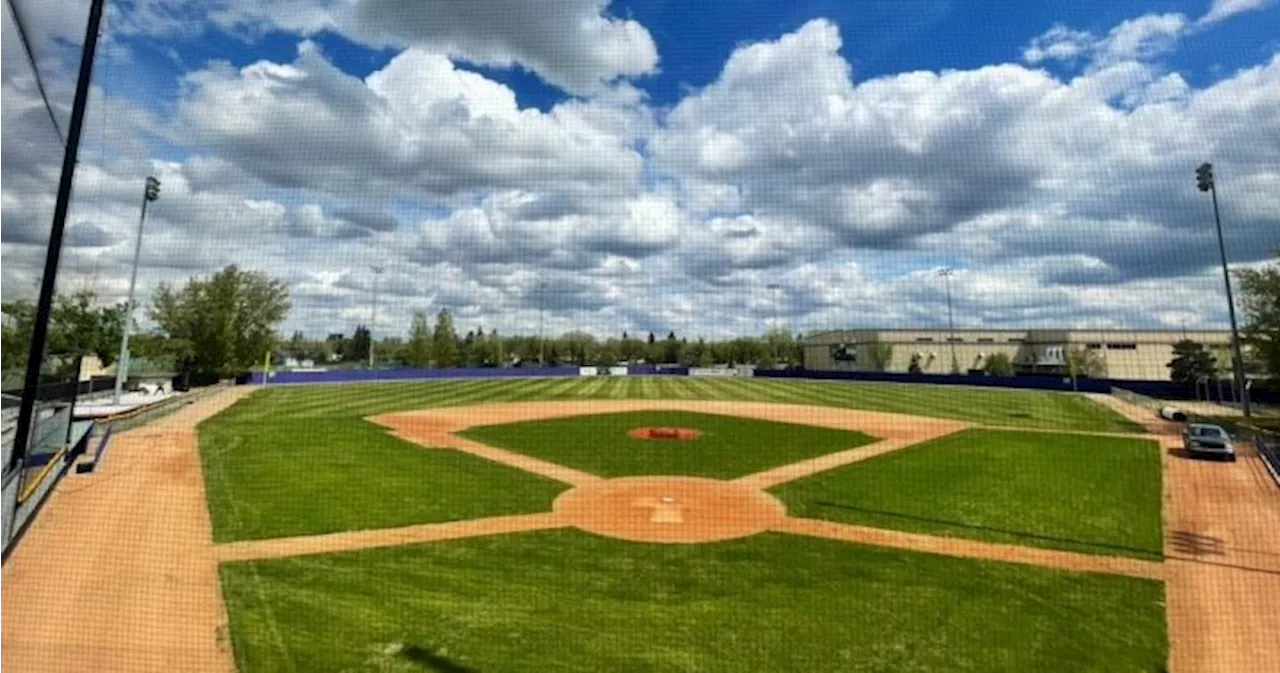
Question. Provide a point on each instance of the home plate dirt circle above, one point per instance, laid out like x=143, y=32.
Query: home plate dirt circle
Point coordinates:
x=669, y=509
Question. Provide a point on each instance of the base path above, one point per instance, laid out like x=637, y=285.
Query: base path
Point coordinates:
x=252, y=550
x=1222, y=551
x=117, y=573
x=990, y=551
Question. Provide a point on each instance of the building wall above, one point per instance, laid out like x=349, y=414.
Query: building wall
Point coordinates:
x=1126, y=354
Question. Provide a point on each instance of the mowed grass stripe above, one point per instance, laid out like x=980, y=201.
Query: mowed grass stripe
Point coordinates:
x=331, y=398
x=649, y=388
x=592, y=389
x=410, y=395
x=702, y=389
x=669, y=388
x=573, y=391
x=533, y=390
x=742, y=389
x=501, y=392
x=366, y=396
x=515, y=391
x=796, y=394
x=621, y=388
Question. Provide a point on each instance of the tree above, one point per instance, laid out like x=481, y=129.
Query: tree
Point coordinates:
x=444, y=340
x=1191, y=364
x=337, y=345
x=495, y=354
x=1084, y=362
x=879, y=355
x=361, y=342
x=418, y=352
x=781, y=342
x=606, y=356
x=229, y=319
x=1260, y=303
x=297, y=346
x=78, y=325
x=671, y=349
x=999, y=364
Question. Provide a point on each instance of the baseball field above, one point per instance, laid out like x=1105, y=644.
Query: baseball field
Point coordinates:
x=526, y=525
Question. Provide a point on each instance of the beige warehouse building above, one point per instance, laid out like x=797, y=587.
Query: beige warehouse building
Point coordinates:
x=1125, y=354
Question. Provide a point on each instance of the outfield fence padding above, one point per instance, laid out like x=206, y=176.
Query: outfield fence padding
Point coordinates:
x=373, y=375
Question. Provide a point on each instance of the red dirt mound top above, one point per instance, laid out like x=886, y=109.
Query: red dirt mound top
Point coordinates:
x=664, y=433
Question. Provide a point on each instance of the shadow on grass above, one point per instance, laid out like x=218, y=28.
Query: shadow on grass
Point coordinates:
x=1133, y=551
x=432, y=661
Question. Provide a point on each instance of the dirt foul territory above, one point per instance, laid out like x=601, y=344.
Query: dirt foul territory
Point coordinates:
x=120, y=572
x=664, y=433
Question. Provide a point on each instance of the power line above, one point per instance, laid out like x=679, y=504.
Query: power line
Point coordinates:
x=26, y=47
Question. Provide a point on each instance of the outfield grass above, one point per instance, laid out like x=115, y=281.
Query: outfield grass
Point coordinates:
x=1021, y=408
x=568, y=601
x=303, y=477
x=1080, y=493
x=728, y=447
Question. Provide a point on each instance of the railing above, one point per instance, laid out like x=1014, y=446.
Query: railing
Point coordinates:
x=1267, y=444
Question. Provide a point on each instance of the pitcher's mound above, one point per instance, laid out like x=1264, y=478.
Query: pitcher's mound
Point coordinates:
x=664, y=433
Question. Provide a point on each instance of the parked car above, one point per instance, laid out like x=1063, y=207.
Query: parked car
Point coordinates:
x=1202, y=440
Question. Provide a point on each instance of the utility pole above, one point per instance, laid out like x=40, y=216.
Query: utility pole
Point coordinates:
x=951, y=323
x=373, y=318
x=44, y=304
x=1206, y=183
x=150, y=193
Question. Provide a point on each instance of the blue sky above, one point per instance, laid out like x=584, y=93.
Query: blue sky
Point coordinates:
x=658, y=163
x=882, y=37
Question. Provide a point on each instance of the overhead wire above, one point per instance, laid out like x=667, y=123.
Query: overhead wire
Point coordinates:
x=26, y=47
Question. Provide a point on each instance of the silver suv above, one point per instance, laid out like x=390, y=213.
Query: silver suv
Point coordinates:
x=1203, y=440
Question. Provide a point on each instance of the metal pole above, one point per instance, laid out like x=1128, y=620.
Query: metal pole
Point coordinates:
x=542, y=309
x=122, y=363
x=1237, y=360
x=776, y=322
x=44, y=305
x=951, y=324
x=373, y=319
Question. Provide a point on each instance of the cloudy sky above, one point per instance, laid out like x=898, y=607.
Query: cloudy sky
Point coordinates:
x=653, y=165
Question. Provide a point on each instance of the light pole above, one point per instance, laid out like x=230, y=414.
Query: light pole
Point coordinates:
x=150, y=192
x=1206, y=183
x=542, y=309
x=773, y=338
x=373, y=318
x=951, y=323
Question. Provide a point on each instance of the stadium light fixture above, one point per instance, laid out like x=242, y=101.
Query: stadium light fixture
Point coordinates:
x=1206, y=183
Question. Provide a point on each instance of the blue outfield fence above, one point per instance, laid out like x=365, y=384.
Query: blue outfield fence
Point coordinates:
x=356, y=375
